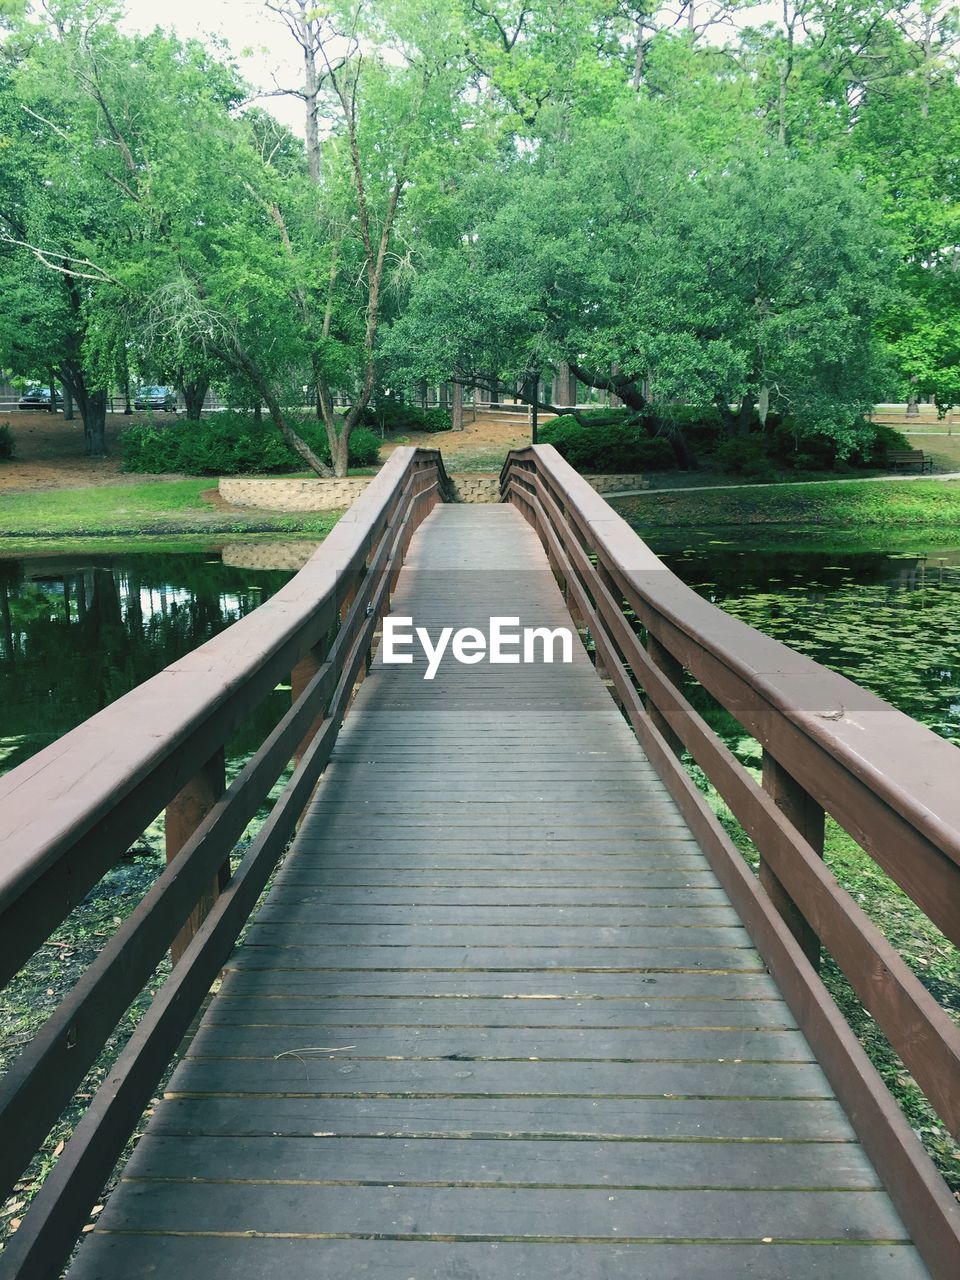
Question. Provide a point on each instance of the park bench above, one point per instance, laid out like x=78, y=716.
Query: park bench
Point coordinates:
x=901, y=459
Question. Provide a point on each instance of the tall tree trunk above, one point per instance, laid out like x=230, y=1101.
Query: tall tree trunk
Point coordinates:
x=53, y=392
x=95, y=424
x=92, y=406
x=640, y=53
x=67, y=404
x=456, y=415
x=727, y=416
x=194, y=393
x=913, y=404
x=341, y=455
x=745, y=414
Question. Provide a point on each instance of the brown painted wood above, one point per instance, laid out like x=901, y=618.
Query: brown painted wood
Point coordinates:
x=555, y=489
x=807, y=816
x=69, y=812
x=184, y=814
x=201, y=826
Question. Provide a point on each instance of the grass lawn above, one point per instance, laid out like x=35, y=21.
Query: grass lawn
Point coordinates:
x=153, y=507
x=931, y=504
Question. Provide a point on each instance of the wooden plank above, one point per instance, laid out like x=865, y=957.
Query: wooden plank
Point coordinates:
x=223, y=1258
x=451, y=1161
x=480, y=1212
x=438, y=1011
x=656, y=959
x=287, y=888
x=464, y=1043
x=761, y=1119
x=527, y=870
x=545, y=984
x=302, y=935
x=309, y=1076
x=293, y=915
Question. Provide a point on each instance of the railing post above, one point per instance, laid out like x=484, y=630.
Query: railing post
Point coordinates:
x=300, y=677
x=803, y=812
x=663, y=659
x=185, y=812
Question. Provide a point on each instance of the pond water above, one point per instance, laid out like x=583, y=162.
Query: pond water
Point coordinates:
x=79, y=630
x=890, y=620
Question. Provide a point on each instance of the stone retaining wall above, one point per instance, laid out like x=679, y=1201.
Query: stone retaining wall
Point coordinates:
x=334, y=495
x=614, y=484
x=291, y=495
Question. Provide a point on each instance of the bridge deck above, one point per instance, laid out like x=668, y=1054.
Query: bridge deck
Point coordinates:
x=496, y=1018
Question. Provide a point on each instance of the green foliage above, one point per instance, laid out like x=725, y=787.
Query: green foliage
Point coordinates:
x=7, y=447
x=744, y=455
x=886, y=440
x=759, y=454
x=231, y=443
x=390, y=415
x=607, y=448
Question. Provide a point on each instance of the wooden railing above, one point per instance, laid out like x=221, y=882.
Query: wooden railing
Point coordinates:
x=70, y=812
x=828, y=745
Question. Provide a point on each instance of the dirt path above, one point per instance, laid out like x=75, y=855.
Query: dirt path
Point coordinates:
x=49, y=454
x=480, y=446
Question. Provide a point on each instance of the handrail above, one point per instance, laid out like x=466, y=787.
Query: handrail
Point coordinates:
x=828, y=745
x=70, y=811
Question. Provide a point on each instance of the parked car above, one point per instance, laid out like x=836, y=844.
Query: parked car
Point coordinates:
x=164, y=398
x=37, y=398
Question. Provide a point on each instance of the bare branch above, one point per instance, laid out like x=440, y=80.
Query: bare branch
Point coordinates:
x=44, y=256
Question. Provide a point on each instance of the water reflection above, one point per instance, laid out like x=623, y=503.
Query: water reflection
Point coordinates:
x=77, y=632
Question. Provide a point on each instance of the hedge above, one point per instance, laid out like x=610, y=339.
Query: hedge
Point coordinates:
x=230, y=444
x=607, y=448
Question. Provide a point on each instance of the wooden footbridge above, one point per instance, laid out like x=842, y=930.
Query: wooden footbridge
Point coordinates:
x=512, y=1004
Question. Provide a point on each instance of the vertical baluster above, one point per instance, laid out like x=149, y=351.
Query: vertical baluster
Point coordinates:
x=300, y=677
x=662, y=658
x=185, y=812
x=806, y=815
x=606, y=578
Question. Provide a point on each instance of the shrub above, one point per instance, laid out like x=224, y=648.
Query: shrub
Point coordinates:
x=744, y=456
x=612, y=448
x=390, y=415
x=7, y=448
x=886, y=440
x=233, y=444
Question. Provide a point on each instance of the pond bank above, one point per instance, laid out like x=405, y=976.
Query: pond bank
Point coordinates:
x=820, y=508
x=151, y=507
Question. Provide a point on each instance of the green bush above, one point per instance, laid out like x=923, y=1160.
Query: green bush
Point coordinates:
x=608, y=448
x=7, y=448
x=233, y=443
x=744, y=456
x=886, y=440
x=390, y=415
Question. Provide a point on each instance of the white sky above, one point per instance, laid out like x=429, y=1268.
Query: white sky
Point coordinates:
x=265, y=50
x=259, y=40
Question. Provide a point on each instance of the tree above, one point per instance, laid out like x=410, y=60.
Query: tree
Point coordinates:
x=742, y=283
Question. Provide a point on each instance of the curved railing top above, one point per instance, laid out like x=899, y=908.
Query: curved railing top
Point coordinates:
x=911, y=768
x=77, y=783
